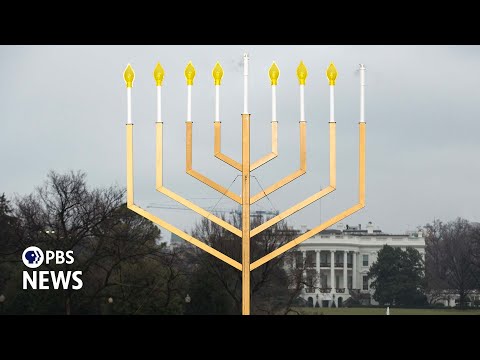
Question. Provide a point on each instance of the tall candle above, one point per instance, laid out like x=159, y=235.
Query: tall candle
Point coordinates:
x=274, y=74
x=362, y=92
x=302, y=103
x=129, y=76
x=189, y=75
x=332, y=77
x=332, y=103
x=302, y=74
x=217, y=76
x=158, y=75
x=129, y=105
x=245, y=83
x=217, y=103
x=189, y=104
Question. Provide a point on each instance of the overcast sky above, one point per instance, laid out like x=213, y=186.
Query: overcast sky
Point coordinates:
x=64, y=107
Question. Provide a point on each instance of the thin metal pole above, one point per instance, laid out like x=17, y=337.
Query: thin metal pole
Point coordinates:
x=246, y=214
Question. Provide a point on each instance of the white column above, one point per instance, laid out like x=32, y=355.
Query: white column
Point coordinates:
x=345, y=269
x=332, y=103
x=217, y=103
x=332, y=270
x=245, y=83
x=354, y=270
x=302, y=103
x=274, y=103
x=189, y=103
x=159, y=104
x=304, y=274
x=129, y=105
x=317, y=253
x=362, y=92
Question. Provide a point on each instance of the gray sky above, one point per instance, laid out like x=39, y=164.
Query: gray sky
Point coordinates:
x=64, y=107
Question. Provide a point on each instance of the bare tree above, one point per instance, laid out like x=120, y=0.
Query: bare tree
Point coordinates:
x=63, y=214
x=449, y=257
x=269, y=283
x=119, y=252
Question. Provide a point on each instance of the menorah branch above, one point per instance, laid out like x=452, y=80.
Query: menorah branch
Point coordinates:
x=333, y=220
x=301, y=171
x=131, y=205
x=217, y=148
x=201, y=177
x=313, y=198
x=273, y=154
x=162, y=189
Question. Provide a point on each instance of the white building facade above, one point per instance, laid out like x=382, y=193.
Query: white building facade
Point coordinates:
x=336, y=262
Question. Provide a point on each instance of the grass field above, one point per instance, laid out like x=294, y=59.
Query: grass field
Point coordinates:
x=381, y=311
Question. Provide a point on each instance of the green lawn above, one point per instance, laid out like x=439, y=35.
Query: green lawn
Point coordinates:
x=380, y=311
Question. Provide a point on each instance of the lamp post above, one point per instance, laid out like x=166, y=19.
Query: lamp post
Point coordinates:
x=110, y=305
x=188, y=299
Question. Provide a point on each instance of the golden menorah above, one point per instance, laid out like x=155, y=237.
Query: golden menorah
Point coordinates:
x=246, y=167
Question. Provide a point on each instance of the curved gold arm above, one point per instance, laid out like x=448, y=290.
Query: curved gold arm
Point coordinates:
x=160, y=188
x=301, y=171
x=274, y=152
x=217, y=148
x=201, y=177
x=314, y=197
x=333, y=220
x=158, y=221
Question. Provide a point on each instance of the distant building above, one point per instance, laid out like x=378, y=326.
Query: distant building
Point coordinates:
x=338, y=260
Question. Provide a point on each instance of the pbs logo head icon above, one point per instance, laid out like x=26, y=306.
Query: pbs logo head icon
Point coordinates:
x=33, y=257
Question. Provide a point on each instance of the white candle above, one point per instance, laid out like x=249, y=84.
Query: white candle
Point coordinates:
x=302, y=74
x=302, y=103
x=158, y=75
x=129, y=105
x=217, y=103
x=190, y=76
x=245, y=83
x=332, y=103
x=274, y=74
x=362, y=92
x=189, y=104
x=332, y=78
x=274, y=103
x=159, y=104
x=129, y=76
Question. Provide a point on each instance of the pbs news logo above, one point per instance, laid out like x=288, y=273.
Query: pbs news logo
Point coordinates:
x=33, y=257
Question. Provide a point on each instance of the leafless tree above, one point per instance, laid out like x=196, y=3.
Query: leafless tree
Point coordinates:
x=118, y=252
x=449, y=257
x=269, y=282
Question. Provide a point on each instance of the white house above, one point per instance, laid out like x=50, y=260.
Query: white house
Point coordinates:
x=337, y=261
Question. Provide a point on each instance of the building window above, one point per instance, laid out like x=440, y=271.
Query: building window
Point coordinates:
x=324, y=281
x=349, y=282
x=365, y=283
x=365, y=260
x=298, y=260
x=337, y=281
x=324, y=259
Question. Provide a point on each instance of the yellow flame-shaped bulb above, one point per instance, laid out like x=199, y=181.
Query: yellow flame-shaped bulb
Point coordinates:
x=190, y=73
x=217, y=73
x=159, y=74
x=274, y=74
x=332, y=74
x=129, y=76
x=302, y=73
